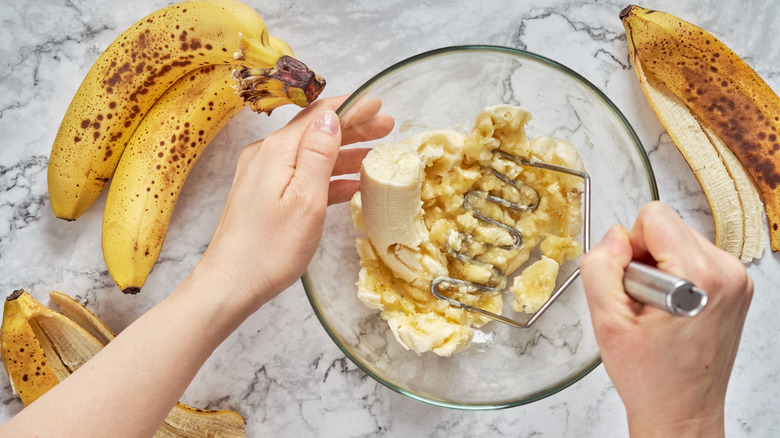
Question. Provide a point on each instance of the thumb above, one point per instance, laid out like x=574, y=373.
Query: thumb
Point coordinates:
x=602, y=269
x=660, y=233
x=317, y=153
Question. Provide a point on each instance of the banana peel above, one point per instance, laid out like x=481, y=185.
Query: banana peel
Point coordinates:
x=24, y=358
x=721, y=115
x=736, y=208
x=82, y=316
x=40, y=347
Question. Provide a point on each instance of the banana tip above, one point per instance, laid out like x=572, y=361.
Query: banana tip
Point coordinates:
x=634, y=9
x=627, y=10
x=132, y=290
x=16, y=294
x=314, y=87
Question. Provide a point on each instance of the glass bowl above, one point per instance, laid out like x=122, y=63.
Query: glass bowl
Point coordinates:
x=504, y=366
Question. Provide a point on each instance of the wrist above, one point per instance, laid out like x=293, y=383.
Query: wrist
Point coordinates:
x=235, y=290
x=652, y=424
x=225, y=300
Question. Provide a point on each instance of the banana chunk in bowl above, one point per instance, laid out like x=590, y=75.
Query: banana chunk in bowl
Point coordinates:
x=411, y=208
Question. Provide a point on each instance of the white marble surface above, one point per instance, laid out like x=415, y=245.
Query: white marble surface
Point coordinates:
x=280, y=370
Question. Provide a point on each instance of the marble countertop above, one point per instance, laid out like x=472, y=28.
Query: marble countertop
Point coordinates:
x=280, y=370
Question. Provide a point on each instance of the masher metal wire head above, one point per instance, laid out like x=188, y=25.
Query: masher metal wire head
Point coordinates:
x=499, y=279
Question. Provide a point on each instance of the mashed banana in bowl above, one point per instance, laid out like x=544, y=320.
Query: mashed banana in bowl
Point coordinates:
x=411, y=208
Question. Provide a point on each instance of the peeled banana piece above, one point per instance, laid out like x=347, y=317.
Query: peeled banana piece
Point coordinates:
x=392, y=173
x=391, y=178
x=41, y=347
x=695, y=83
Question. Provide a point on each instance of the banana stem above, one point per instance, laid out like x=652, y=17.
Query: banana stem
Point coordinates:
x=255, y=52
x=289, y=80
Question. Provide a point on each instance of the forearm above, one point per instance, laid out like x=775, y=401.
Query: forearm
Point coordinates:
x=130, y=386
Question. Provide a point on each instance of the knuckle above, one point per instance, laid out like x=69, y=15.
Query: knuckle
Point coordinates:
x=701, y=268
x=590, y=259
x=276, y=137
x=320, y=149
x=725, y=275
x=742, y=284
x=609, y=334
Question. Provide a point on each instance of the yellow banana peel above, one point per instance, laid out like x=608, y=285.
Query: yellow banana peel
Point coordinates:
x=40, y=347
x=723, y=118
x=24, y=358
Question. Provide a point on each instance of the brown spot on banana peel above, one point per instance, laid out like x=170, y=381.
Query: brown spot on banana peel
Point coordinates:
x=627, y=10
x=721, y=89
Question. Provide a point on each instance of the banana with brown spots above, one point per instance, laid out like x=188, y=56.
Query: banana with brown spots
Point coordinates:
x=136, y=69
x=163, y=150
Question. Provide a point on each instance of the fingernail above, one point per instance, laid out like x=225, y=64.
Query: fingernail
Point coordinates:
x=328, y=122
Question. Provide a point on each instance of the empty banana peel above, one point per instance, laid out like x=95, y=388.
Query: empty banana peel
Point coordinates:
x=721, y=115
x=736, y=207
x=41, y=347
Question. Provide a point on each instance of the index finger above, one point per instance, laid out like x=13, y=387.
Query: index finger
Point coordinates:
x=602, y=269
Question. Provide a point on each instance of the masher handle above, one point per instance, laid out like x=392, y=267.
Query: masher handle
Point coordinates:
x=650, y=285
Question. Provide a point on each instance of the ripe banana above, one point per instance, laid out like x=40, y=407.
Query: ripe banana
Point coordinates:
x=721, y=115
x=41, y=347
x=163, y=150
x=158, y=158
x=134, y=71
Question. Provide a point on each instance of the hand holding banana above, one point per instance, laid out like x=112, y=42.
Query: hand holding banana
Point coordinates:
x=266, y=238
x=148, y=108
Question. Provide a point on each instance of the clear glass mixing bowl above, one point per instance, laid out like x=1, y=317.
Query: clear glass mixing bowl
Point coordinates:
x=504, y=366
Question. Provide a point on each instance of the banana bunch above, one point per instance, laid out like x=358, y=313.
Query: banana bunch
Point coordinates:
x=723, y=118
x=41, y=347
x=150, y=105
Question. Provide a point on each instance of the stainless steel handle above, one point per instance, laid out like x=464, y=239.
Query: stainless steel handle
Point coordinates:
x=652, y=286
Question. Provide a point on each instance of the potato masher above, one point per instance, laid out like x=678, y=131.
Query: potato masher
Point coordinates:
x=642, y=282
